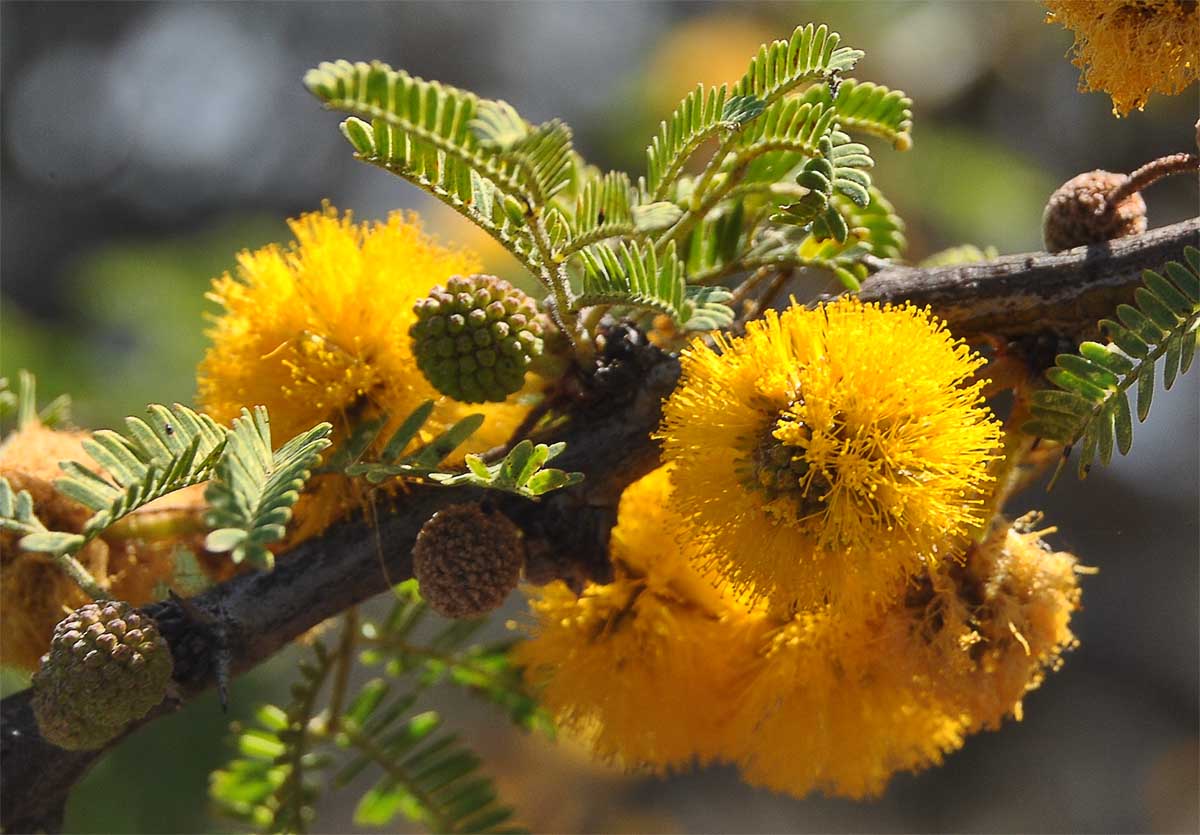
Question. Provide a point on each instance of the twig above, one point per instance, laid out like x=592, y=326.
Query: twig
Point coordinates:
x=1151, y=173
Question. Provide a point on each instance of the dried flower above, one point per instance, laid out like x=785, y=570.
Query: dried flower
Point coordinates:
x=1077, y=213
x=467, y=559
x=1132, y=48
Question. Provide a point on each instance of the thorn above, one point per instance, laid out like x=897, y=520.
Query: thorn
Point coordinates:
x=217, y=628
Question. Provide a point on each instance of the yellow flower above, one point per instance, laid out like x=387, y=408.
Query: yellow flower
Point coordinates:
x=1132, y=48
x=829, y=453
x=840, y=706
x=637, y=669
x=318, y=331
x=658, y=670
x=1004, y=621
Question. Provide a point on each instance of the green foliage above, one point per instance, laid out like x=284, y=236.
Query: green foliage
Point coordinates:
x=868, y=108
x=636, y=276
x=781, y=155
x=1090, y=404
x=521, y=471
x=172, y=449
x=448, y=656
x=812, y=53
x=478, y=156
x=393, y=461
x=699, y=117
x=603, y=209
x=254, y=488
x=424, y=773
x=841, y=166
x=22, y=403
x=271, y=786
x=17, y=514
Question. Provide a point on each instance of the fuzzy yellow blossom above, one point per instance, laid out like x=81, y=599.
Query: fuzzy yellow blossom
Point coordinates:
x=657, y=671
x=318, y=331
x=839, y=706
x=1132, y=48
x=828, y=453
x=637, y=669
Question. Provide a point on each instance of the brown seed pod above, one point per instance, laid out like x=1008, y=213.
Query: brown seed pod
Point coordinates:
x=467, y=559
x=1078, y=212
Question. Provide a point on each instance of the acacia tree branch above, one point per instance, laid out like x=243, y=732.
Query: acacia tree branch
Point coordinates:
x=609, y=438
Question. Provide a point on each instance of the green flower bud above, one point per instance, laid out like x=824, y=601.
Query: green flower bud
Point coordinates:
x=475, y=337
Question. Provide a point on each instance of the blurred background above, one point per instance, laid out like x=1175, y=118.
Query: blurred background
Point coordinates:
x=144, y=144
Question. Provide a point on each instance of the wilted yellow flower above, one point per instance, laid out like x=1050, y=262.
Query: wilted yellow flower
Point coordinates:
x=1132, y=48
x=1003, y=622
x=839, y=706
x=637, y=669
x=318, y=331
x=829, y=453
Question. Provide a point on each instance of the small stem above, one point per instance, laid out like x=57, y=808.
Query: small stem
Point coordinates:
x=742, y=291
x=1151, y=173
x=701, y=203
x=341, y=674
x=82, y=577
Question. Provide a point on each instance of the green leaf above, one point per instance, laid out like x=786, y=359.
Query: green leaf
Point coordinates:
x=253, y=489
x=428, y=134
x=22, y=403
x=813, y=53
x=170, y=450
x=634, y=276
x=696, y=119
x=520, y=472
x=868, y=108
x=1091, y=408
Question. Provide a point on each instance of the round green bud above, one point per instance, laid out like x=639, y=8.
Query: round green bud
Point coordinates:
x=475, y=337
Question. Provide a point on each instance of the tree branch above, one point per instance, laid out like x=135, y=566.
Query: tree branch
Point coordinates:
x=608, y=435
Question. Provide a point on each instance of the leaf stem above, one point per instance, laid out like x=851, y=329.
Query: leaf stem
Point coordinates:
x=82, y=577
x=341, y=673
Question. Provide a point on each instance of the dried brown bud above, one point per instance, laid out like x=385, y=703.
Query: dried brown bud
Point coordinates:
x=467, y=559
x=1078, y=212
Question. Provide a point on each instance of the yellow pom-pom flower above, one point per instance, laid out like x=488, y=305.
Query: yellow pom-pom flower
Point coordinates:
x=637, y=669
x=1132, y=48
x=664, y=667
x=828, y=453
x=839, y=706
x=318, y=331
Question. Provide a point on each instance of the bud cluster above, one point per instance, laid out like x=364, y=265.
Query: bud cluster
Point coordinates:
x=107, y=666
x=475, y=338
